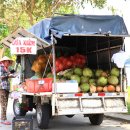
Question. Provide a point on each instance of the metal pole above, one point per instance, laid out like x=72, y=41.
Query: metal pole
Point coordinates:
x=54, y=65
x=54, y=75
x=22, y=68
x=125, y=79
x=121, y=79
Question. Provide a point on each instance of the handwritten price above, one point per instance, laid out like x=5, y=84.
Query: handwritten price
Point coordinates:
x=24, y=49
x=24, y=46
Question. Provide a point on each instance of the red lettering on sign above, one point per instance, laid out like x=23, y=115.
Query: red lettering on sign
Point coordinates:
x=17, y=49
x=33, y=43
x=29, y=50
x=16, y=42
x=24, y=46
x=29, y=43
x=24, y=50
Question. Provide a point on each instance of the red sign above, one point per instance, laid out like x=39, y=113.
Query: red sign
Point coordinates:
x=24, y=46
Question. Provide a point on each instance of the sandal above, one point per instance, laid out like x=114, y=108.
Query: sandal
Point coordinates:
x=6, y=122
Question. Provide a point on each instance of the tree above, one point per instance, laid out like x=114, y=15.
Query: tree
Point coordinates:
x=25, y=13
x=4, y=31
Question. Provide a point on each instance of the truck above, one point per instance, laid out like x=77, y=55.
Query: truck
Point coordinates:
x=98, y=38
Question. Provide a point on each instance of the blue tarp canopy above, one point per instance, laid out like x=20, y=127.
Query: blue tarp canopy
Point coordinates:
x=79, y=25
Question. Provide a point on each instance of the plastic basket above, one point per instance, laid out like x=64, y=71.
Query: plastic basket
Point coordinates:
x=39, y=85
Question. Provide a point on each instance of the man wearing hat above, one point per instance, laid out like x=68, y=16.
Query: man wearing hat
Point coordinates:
x=5, y=62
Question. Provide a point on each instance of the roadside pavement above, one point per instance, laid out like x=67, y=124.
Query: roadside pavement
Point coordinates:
x=121, y=117
x=10, y=116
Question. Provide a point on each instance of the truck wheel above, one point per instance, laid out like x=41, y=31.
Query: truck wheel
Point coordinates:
x=96, y=119
x=43, y=115
x=18, y=111
x=69, y=116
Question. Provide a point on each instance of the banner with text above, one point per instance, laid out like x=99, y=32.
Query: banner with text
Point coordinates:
x=24, y=46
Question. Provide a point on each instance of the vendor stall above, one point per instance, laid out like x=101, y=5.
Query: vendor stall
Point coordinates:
x=71, y=71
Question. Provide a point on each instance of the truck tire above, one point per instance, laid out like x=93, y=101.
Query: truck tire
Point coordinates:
x=69, y=116
x=43, y=115
x=18, y=111
x=96, y=119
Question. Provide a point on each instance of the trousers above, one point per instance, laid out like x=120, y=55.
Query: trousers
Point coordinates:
x=4, y=94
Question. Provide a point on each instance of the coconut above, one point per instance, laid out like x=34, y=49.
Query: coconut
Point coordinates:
x=85, y=87
x=98, y=72
x=92, y=89
x=87, y=72
x=118, y=88
x=104, y=74
x=99, y=88
x=105, y=89
x=75, y=77
x=115, y=72
x=102, y=81
x=91, y=81
x=68, y=74
x=49, y=75
x=111, y=88
x=78, y=71
x=84, y=79
x=113, y=80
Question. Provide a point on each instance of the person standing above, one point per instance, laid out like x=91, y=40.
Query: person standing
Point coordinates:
x=5, y=74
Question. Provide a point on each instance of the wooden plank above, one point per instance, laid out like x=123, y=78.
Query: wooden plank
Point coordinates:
x=23, y=33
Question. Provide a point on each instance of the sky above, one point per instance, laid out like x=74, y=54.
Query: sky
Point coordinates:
x=122, y=8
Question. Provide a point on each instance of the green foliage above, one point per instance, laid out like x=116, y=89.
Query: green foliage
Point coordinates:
x=48, y=3
x=66, y=10
x=7, y=52
x=3, y=31
x=128, y=105
x=98, y=3
x=25, y=13
x=113, y=10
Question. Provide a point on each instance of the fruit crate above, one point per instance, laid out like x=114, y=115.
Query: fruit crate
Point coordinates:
x=39, y=85
x=22, y=123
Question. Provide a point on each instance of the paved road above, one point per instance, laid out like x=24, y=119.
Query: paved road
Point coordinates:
x=78, y=122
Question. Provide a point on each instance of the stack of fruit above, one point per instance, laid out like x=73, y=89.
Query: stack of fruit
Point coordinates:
x=92, y=80
x=39, y=65
x=63, y=63
x=73, y=68
x=108, y=82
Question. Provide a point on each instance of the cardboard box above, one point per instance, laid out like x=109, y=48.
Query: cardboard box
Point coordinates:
x=66, y=87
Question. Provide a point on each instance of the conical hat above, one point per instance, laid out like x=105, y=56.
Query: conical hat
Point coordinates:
x=5, y=58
